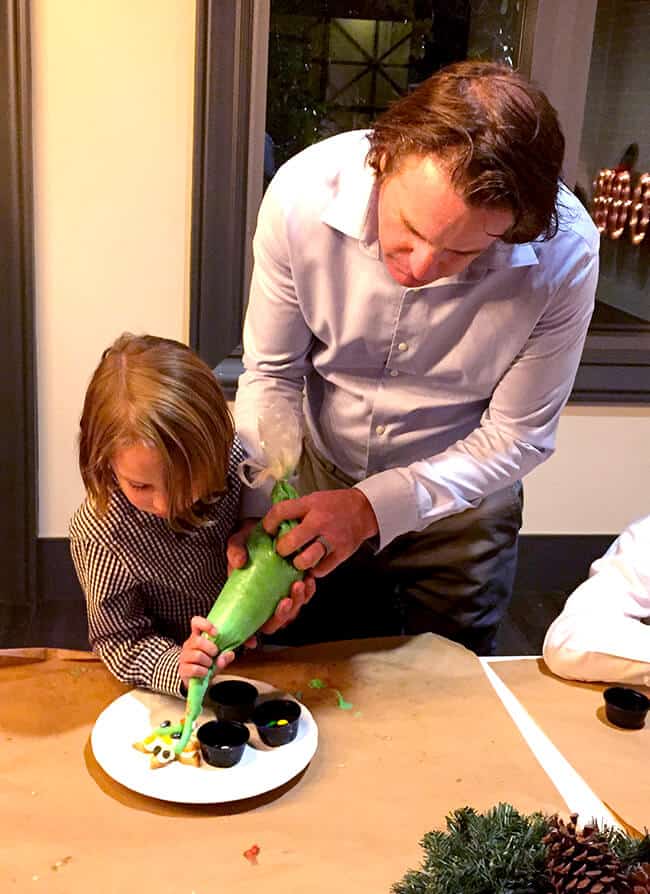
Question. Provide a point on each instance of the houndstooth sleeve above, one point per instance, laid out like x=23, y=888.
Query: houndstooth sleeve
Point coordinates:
x=119, y=629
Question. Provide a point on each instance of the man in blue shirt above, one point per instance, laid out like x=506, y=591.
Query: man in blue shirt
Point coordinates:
x=421, y=294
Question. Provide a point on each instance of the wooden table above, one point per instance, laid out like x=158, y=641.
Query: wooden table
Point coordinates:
x=427, y=735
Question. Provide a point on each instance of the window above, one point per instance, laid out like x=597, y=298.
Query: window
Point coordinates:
x=291, y=73
x=613, y=176
x=334, y=66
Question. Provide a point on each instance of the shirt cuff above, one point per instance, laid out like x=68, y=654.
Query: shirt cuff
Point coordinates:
x=391, y=495
x=165, y=676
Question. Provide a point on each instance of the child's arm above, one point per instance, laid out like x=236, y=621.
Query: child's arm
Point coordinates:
x=600, y=635
x=119, y=629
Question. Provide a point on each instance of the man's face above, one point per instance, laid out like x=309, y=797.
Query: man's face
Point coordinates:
x=426, y=230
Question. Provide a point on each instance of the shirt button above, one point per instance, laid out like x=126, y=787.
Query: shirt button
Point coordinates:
x=380, y=429
x=402, y=346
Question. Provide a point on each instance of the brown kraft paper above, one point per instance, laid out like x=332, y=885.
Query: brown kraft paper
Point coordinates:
x=612, y=761
x=426, y=735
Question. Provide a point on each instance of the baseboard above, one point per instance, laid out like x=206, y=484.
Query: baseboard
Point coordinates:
x=61, y=620
x=557, y=561
x=57, y=579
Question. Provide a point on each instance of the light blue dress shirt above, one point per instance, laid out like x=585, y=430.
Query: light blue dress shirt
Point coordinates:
x=431, y=398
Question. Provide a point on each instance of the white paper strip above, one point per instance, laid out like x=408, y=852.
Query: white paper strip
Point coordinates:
x=574, y=790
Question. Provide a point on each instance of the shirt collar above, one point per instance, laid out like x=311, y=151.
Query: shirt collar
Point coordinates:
x=501, y=254
x=353, y=208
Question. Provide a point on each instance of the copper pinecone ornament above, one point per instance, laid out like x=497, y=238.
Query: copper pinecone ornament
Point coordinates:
x=582, y=862
x=639, y=879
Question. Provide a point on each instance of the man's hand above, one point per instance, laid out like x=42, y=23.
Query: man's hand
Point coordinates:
x=236, y=552
x=198, y=652
x=287, y=609
x=342, y=518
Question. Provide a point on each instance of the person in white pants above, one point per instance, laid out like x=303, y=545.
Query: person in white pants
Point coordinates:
x=603, y=632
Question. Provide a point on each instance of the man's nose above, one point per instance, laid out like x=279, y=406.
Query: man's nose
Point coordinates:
x=424, y=262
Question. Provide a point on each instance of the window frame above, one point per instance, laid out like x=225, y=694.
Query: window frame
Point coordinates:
x=230, y=117
x=222, y=108
x=18, y=464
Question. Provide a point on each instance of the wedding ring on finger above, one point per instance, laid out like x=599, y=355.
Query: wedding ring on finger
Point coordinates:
x=326, y=546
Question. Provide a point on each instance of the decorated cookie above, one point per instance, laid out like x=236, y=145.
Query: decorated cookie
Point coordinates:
x=161, y=745
x=191, y=754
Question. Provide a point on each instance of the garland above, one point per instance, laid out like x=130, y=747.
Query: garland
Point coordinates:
x=505, y=852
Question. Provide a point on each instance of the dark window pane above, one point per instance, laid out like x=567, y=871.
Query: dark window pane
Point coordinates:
x=335, y=66
x=616, y=138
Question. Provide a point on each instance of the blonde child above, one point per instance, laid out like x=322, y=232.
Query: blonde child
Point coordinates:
x=158, y=456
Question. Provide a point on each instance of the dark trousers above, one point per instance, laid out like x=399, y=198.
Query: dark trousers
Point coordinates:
x=454, y=578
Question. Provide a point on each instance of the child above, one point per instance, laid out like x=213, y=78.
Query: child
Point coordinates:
x=158, y=457
x=602, y=632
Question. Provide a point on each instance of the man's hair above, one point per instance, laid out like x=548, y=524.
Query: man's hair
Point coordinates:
x=495, y=134
x=159, y=392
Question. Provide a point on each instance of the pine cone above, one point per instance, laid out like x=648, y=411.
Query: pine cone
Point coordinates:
x=639, y=879
x=581, y=862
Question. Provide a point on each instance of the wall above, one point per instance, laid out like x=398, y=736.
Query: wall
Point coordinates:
x=112, y=110
x=598, y=480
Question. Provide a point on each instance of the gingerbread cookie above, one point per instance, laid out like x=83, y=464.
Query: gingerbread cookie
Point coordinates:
x=161, y=745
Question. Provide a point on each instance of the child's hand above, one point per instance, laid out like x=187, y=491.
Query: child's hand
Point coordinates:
x=198, y=652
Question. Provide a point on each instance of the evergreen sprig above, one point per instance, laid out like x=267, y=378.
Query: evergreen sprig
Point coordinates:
x=499, y=852
x=629, y=850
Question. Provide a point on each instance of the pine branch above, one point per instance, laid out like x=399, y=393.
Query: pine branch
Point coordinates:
x=500, y=852
x=505, y=852
x=629, y=850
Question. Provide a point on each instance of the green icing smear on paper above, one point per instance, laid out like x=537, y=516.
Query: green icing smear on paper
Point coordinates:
x=320, y=684
x=345, y=706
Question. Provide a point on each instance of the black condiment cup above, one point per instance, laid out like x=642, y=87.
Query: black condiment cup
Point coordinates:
x=268, y=717
x=626, y=707
x=222, y=742
x=234, y=699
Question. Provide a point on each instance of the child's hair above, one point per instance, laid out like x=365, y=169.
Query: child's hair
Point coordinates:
x=156, y=391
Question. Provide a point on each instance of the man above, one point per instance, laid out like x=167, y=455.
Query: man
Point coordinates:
x=602, y=632
x=423, y=292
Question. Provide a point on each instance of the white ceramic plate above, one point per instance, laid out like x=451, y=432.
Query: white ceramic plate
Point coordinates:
x=132, y=716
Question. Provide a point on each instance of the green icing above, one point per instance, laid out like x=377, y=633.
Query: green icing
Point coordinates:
x=266, y=572
x=345, y=706
x=167, y=730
